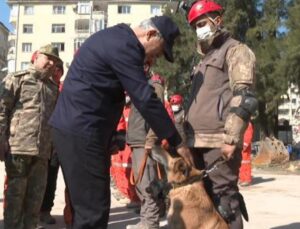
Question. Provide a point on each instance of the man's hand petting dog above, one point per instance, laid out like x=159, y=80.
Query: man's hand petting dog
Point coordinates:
x=186, y=154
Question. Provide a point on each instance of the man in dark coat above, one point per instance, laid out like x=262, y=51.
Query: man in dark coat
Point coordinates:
x=90, y=105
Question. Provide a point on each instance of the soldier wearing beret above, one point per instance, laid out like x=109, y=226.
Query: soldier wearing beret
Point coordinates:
x=27, y=99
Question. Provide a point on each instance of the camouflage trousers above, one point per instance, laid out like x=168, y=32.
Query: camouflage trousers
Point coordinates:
x=27, y=178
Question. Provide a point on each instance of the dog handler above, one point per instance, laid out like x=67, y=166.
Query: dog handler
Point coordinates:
x=220, y=107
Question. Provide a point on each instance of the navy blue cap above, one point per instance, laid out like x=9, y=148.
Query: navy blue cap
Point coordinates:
x=169, y=31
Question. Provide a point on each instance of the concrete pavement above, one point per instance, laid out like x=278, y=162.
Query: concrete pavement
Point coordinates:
x=273, y=202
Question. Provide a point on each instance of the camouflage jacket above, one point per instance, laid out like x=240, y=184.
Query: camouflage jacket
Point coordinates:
x=26, y=103
x=227, y=68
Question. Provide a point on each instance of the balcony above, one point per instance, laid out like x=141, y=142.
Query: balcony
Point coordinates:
x=11, y=55
x=82, y=26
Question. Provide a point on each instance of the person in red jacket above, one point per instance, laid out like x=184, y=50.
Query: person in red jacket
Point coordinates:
x=245, y=177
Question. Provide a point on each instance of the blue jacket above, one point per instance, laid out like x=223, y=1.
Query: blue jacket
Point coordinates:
x=108, y=63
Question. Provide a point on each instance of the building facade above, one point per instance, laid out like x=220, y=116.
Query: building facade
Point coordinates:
x=4, y=32
x=65, y=24
x=68, y=23
x=289, y=110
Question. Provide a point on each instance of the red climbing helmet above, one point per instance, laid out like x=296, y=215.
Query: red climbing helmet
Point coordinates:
x=202, y=7
x=176, y=99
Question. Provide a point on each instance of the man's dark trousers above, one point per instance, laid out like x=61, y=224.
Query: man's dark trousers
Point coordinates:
x=48, y=201
x=84, y=157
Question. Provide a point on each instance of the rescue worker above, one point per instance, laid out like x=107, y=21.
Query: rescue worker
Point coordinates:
x=141, y=139
x=220, y=106
x=27, y=99
x=53, y=166
x=90, y=105
x=121, y=163
x=176, y=102
x=245, y=177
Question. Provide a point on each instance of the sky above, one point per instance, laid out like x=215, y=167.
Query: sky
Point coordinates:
x=4, y=14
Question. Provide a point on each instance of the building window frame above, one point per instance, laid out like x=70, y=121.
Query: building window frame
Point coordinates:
x=59, y=9
x=58, y=28
x=82, y=26
x=26, y=47
x=24, y=65
x=59, y=45
x=28, y=10
x=27, y=28
x=124, y=9
x=155, y=9
x=84, y=8
x=98, y=24
x=78, y=42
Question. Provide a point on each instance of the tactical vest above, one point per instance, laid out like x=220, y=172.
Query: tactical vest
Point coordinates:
x=211, y=94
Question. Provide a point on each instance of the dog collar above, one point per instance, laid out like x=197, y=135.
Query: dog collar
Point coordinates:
x=191, y=180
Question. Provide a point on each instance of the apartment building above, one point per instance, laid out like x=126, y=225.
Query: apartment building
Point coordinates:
x=132, y=12
x=68, y=23
x=289, y=111
x=290, y=108
x=64, y=23
x=3, y=49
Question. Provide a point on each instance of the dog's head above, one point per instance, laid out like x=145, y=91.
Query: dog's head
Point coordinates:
x=179, y=171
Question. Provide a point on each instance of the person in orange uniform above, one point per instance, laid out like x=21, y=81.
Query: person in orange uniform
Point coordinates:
x=122, y=162
x=245, y=176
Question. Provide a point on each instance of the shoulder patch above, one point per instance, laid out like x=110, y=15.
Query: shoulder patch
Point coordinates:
x=20, y=73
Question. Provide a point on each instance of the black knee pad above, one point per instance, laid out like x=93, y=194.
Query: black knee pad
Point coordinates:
x=232, y=206
x=225, y=209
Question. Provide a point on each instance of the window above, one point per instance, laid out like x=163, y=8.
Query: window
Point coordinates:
x=14, y=11
x=59, y=9
x=155, y=10
x=58, y=28
x=82, y=26
x=28, y=10
x=11, y=65
x=124, y=9
x=26, y=47
x=59, y=45
x=27, y=28
x=283, y=112
x=24, y=65
x=77, y=43
x=98, y=25
x=84, y=8
x=294, y=101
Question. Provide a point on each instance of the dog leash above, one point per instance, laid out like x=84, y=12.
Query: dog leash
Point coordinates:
x=215, y=166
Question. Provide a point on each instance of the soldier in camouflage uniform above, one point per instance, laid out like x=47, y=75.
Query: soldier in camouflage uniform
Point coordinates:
x=27, y=99
x=220, y=108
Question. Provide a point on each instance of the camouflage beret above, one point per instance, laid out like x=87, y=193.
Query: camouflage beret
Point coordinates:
x=50, y=50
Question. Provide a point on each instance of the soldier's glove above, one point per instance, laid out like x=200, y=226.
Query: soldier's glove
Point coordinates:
x=4, y=149
x=228, y=151
x=186, y=154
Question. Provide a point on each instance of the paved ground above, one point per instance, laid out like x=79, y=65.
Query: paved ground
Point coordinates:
x=273, y=202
